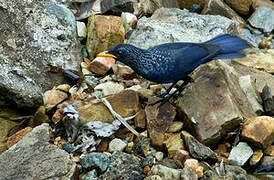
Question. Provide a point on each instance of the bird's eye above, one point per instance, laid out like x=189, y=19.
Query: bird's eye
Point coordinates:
x=120, y=52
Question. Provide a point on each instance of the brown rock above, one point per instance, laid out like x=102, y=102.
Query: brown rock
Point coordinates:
x=39, y=117
x=262, y=60
x=53, y=97
x=181, y=156
x=175, y=127
x=256, y=157
x=17, y=136
x=259, y=131
x=159, y=118
x=63, y=87
x=223, y=98
x=125, y=103
x=101, y=65
x=147, y=170
x=241, y=7
x=124, y=72
x=217, y=7
x=57, y=116
x=103, y=33
x=270, y=150
x=110, y=88
x=173, y=143
x=187, y=4
x=140, y=119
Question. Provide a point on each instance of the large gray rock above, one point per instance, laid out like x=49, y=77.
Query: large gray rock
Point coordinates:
x=217, y=101
x=35, y=34
x=175, y=25
x=35, y=158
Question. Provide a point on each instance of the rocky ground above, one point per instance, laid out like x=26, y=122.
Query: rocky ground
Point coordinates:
x=67, y=114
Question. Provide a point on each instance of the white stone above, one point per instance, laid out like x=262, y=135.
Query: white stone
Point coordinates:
x=128, y=20
x=109, y=88
x=81, y=30
x=117, y=145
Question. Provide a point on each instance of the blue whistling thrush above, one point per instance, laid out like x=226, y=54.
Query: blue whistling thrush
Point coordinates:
x=170, y=62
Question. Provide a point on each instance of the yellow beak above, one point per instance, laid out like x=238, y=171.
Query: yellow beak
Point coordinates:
x=105, y=54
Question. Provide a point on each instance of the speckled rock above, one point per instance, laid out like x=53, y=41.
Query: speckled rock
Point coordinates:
x=96, y=160
x=123, y=166
x=36, y=156
x=103, y=33
x=35, y=34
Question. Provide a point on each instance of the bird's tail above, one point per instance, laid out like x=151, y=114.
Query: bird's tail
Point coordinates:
x=230, y=46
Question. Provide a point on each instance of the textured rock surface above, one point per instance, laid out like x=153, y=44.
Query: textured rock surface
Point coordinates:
x=103, y=33
x=33, y=35
x=175, y=25
x=123, y=166
x=259, y=131
x=35, y=158
x=240, y=154
x=241, y=7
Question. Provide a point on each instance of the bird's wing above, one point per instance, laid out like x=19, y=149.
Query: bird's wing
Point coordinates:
x=170, y=46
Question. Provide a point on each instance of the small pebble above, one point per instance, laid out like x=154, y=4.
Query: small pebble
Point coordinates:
x=117, y=145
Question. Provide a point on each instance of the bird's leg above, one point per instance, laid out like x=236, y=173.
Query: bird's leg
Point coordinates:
x=168, y=90
x=180, y=89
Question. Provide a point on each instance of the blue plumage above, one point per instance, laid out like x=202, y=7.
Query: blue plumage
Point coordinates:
x=171, y=62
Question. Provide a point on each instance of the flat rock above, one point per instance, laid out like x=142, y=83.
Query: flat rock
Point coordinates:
x=173, y=143
x=123, y=166
x=262, y=60
x=242, y=8
x=35, y=35
x=175, y=25
x=217, y=7
x=166, y=172
x=240, y=154
x=101, y=65
x=125, y=103
x=259, y=131
x=110, y=88
x=262, y=18
x=104, y=32
x=229, y=98
x=36, y=156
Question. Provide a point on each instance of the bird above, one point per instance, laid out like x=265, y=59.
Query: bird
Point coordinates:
x=171, y=62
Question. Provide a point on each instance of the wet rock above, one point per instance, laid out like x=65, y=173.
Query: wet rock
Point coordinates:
x=101, y=65
x=96, y=160
x=175, y=127
x=166, y=172
x=165, y=25
x=195, y=166
x=257, y=155
x=197, y=149
x=141, y=148
x=39, y=117
x=242, y=8
x=125, y=103
x=42, y=34
x=81, y=30
x=268, y=100
x=259, y=131
x=109, y=88
x=123, y=166
x=262, y=60
x=173, y=143
x=240, y=154
x=124, y=72
x=53, y=97
x=117, y=145
x=103, y=33
x=217, y=7
x=129, y=21
x=188, y=174
x=140, y=119
x=159, y=118
x=17, y=136
x=90, y=175
x=229, y=97
x=5, y=127
x=262, y=18
x=36, y=156
x=188, y=4
x=270, y=150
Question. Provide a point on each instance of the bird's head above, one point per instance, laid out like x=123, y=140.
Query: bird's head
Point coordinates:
x=121, y=52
